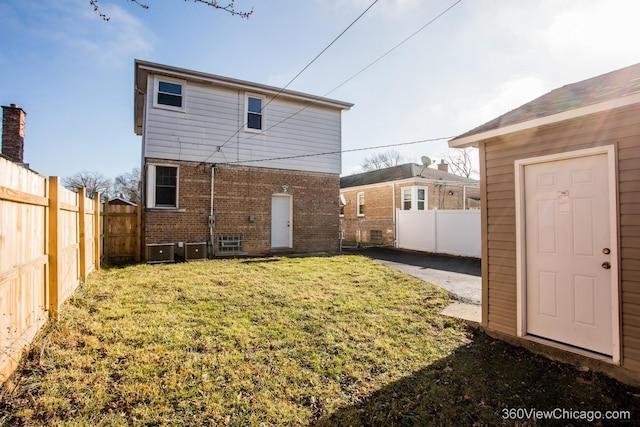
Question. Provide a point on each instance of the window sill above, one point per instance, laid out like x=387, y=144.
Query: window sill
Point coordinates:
x=159, y=209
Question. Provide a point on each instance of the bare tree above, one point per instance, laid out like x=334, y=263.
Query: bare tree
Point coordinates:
x=385, y=159
x=92, y=181
x=127, y=185
x=461, y=161
x=228, y=7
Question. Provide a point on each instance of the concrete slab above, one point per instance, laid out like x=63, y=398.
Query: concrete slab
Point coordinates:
x=460, y=310
x=458, y=275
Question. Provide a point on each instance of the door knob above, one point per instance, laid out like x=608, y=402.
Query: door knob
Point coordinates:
x=606, y=265
x=606, y=251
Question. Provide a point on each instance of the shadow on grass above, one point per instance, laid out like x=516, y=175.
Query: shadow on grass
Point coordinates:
x=480, y=382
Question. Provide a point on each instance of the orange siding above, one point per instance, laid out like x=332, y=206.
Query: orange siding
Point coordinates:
x=620, y=127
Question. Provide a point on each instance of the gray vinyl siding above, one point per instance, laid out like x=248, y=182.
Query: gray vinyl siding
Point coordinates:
x=620, y=127
x=215, y=117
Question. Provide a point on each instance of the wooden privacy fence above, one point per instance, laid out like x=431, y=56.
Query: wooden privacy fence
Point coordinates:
x=48, y=245
x=122, y=227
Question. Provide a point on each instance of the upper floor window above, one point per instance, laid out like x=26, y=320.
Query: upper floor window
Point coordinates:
x=360, y=204
x=255, y=119
x=169, y=94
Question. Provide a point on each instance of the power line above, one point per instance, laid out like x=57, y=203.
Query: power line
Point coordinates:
x=350, y=78
x=298, y=156
x=299, y=73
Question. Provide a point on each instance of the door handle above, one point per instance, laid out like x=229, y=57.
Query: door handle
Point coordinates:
x=606, y=265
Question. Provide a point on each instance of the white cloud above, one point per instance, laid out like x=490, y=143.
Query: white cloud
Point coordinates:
x=502, y=99
x=114, y=42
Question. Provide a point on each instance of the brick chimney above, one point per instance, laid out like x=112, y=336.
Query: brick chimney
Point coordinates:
x=13, y=133
x=442, y=166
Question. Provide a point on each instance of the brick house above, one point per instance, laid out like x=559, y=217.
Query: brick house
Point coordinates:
x=237, y=167
x=369, y=200
x=561, y=223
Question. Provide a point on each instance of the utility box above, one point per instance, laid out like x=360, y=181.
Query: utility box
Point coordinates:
x=195, y=251
x=160, y=252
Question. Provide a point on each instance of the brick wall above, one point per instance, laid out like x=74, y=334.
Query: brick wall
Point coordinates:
x=379, y=213
x=242, y=193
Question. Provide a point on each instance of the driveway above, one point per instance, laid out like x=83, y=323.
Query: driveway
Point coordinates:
x=458, y=275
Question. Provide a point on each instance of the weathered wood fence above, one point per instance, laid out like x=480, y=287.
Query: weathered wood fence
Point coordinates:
x=51, y=239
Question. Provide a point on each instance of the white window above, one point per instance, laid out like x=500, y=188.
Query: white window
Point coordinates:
x=360, y=204
x=169, y=94
x=162, y=186
x=414, y=198
x=406, y=199
x=421, y=197
x=255, y=116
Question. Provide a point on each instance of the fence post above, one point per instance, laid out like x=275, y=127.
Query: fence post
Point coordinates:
x=96, y=229
x=83, y=235
x=138, y=233
x=54, y=213
x=435, y=231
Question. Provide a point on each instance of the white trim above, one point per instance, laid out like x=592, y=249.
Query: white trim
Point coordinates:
x=472, y=140
x=415, y=181
x=413, y=189
x=167, y=70
x=521, y=274
x=360, y=193
x=151, y=186
x=290, y=198
x=245, y=119
x=183, y=94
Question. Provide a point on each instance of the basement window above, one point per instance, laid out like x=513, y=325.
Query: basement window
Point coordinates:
x=228, y=244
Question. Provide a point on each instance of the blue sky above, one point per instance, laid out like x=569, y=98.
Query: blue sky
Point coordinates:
x=73, y=73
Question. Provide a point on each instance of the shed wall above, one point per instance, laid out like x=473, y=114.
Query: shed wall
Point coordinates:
x=620, y=127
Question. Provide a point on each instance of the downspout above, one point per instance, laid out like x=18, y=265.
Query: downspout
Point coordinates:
x=395, y=220
x=212, y=219
x=464, y=197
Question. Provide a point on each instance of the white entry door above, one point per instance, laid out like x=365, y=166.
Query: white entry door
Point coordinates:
x=569, y=251
x=281, y=221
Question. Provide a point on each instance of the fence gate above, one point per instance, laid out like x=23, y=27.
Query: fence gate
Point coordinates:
x=121, y=233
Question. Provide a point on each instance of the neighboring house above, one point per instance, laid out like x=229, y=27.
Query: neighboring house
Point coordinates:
x=369, y=200
x=561, y=222
x=238, y=165
x=121, y=202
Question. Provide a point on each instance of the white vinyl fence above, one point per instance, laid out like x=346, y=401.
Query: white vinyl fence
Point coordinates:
x=453, y=232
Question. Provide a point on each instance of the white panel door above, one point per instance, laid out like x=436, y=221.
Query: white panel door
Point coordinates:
x=568, y=247
x=281, y=221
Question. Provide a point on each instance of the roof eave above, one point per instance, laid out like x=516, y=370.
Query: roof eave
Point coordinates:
x=237, y=84
x=472, y=140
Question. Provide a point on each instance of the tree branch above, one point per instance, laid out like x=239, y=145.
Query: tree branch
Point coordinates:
x=229, y=8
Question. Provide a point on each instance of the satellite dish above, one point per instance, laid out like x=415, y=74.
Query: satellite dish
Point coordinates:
x=426, y=161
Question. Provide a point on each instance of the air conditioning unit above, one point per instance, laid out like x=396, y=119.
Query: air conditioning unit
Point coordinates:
x=195, y=251
x=160, y=252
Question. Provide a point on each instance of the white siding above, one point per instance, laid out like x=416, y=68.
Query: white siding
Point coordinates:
x=213, y=117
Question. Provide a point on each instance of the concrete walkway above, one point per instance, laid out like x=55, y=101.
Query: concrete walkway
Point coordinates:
x=460, y=276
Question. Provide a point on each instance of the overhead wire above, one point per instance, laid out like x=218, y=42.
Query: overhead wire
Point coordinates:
x=299, y=73
x=297, y=156
x=319, y=98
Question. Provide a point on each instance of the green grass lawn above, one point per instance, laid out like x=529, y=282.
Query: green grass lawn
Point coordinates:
x=336, y=340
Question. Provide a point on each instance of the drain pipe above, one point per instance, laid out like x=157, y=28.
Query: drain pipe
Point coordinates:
x=212, y=218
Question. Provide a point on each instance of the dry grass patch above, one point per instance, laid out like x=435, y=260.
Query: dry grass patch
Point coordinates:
x=239, y=342
x=327, y=341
